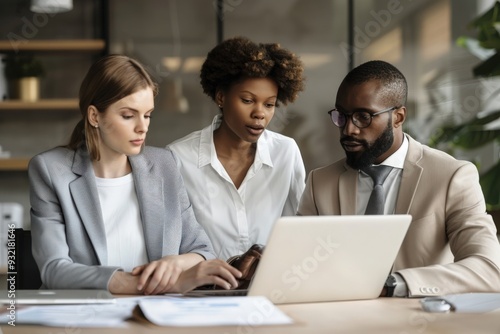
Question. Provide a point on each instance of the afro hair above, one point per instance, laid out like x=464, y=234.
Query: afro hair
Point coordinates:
x=239, y=58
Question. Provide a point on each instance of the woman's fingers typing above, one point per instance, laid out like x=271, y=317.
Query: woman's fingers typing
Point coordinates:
x=208, y=272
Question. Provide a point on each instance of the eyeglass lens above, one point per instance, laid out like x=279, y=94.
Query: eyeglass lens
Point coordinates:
x=361, y=119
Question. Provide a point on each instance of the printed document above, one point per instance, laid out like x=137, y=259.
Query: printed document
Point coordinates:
x=213, y=311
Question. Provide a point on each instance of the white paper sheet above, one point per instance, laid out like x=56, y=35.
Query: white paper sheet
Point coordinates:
x=74, y=316
x=212, y=311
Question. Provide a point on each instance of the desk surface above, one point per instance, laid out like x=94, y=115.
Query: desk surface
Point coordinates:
x=383, y=315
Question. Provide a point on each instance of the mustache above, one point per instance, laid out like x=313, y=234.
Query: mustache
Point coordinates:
x=352, y=139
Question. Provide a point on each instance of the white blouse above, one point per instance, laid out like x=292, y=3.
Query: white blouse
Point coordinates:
x=234, y=219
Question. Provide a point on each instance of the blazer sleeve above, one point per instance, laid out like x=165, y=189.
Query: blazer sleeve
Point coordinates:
x=321, y=194
x=194, y=239
x=48, y=224
x=472, y=238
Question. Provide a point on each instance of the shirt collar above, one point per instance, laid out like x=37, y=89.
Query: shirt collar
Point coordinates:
x=207, y=148
x=397, y=159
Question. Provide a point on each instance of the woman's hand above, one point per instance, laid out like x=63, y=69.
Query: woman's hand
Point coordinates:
x=123, y=283
x=160, y=276
x=216, y=272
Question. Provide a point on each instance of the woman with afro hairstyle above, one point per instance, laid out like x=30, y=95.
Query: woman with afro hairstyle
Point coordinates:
x=240, y=176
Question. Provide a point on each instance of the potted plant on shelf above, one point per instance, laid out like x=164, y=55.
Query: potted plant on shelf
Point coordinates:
x=23, y=73
x=484, y=128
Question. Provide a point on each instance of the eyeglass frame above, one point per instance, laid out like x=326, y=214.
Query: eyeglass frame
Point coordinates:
x=349, y=116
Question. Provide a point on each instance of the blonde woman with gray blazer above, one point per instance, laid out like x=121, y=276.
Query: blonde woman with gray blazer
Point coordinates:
x=108, y=212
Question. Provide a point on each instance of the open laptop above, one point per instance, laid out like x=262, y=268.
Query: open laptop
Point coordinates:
x=56, y=297
x=325, y=258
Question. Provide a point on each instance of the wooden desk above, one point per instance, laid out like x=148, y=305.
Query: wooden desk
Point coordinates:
x=383, y=315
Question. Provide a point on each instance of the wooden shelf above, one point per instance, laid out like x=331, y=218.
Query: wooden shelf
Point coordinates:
x=54, y=45
x=48, y=104
x=14, y=164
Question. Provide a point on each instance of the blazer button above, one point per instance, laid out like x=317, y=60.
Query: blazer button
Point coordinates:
x=435, y=290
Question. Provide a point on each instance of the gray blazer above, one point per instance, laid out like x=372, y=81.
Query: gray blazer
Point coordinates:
x=68, y=236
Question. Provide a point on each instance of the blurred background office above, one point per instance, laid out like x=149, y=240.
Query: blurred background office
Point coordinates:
x=172, y=38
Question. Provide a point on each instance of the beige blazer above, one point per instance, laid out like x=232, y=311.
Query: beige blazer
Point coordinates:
x=451, y=245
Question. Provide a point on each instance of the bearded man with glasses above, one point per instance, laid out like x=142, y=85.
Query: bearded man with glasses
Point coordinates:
x=451, y=245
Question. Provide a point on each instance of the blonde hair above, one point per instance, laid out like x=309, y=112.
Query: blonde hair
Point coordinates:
x=108, y=80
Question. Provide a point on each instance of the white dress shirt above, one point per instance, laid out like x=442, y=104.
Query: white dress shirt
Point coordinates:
x=235, y=218
x=391, y=189
x=391, y=184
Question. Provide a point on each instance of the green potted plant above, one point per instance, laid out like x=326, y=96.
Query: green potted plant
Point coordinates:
x=480, y=131
x=23, y=73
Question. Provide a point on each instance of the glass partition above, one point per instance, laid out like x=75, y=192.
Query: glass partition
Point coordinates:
x=418, y=37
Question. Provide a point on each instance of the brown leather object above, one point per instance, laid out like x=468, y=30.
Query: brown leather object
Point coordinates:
x=247, y=263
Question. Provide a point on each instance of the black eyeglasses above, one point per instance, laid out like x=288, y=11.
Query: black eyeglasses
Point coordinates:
x=360, y=118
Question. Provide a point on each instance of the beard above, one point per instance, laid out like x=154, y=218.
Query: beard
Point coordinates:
x=359, y=160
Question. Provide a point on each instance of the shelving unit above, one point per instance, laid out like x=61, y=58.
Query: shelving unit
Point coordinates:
x=44, y=105
x=90, y=45
x=66, y=46
x=58, y=104
x=14, y=164
x=41, y=105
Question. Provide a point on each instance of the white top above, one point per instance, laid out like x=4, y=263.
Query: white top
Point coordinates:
x=391, y=184
x=122, y=222
x=234, y=219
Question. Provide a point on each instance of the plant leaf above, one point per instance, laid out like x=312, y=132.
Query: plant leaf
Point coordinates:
x=445, y=134
x=471, y=134
x=474, y=136
x=490, y=184
x=492, y=116
x=487, y=24
x=488, y=68
x=472, y=45
x=488, y=18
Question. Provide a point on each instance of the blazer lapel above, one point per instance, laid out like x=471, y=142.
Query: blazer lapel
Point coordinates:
x=347, y=193
x=410, y=178
x=150, y=197
x=86, y=199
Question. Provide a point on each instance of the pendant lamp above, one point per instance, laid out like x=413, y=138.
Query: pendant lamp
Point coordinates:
x=51, y=6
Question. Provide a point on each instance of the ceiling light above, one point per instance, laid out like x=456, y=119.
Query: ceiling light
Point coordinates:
x=51, y=6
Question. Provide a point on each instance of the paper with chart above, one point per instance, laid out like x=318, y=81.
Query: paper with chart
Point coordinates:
x=75, y=316
x=213, y=311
